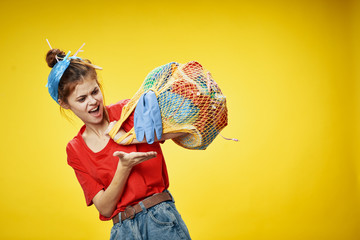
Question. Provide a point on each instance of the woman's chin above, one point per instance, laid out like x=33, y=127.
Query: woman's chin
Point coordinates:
x=94, y=119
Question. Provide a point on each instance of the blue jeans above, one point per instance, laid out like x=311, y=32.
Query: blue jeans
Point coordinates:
x=161, y=221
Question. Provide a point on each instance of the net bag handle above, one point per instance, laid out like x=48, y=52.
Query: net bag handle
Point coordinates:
x=125, y=113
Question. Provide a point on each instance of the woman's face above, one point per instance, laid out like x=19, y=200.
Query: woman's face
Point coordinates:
x=86, y=101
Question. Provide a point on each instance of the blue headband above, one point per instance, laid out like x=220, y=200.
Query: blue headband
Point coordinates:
x=58, y=70
x=55, y=75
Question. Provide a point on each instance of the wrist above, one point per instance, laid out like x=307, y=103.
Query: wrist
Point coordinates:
x=123, y=169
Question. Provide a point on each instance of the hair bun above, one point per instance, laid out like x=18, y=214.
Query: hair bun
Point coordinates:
x=50, y=56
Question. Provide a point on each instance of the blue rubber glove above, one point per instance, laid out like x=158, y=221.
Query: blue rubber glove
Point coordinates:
x=147, y=118
x=155, y=115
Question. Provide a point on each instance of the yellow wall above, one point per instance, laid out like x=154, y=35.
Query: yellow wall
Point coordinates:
x=289, y=69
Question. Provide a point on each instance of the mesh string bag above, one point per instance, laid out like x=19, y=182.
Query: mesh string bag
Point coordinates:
x=190, y=101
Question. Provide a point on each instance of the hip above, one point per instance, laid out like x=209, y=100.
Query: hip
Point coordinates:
x=162, y=221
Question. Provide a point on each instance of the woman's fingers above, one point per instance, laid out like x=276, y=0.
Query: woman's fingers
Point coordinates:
x=142, y=156
x=133, y=158
x=149, y=155
x=111, y=125
x=152, y=153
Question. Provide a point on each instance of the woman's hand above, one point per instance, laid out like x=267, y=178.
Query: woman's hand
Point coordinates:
x=129, y=160
x=118, y=135
x=111, y=125
x=106, y=200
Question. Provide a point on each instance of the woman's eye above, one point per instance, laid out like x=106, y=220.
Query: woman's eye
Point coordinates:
x=96, y=91
x=81, y=99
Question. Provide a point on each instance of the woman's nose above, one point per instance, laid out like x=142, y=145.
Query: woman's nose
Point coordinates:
x=92, y=100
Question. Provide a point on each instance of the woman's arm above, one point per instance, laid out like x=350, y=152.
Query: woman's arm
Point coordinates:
x=106, y=201
x=164, y=137
x=121, y=132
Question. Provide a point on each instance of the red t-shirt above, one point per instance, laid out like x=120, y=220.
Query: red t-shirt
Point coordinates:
x=95, y=171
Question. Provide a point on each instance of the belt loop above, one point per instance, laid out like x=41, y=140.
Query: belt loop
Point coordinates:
x=143, y=206
x=120, y=222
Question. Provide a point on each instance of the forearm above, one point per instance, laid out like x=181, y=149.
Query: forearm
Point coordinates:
x=106, y=201
x=125, y=141
x=164, y=137
x=167, y=136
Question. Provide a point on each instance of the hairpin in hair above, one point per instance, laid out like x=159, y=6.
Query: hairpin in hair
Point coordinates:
x=79, y=50
x=48, y=43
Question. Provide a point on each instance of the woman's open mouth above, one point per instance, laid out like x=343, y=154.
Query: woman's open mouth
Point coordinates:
x=95, y=112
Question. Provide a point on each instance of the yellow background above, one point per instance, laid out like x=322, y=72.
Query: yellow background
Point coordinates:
x=290, y=71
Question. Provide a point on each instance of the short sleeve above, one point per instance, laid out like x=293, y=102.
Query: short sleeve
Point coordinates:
x=88, y=184
x=115, y=109
x=115, y=113
x=129, y=122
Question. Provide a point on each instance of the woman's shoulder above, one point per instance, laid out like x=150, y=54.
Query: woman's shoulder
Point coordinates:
x=114, y=110
x=74, y=146
x=119, y=103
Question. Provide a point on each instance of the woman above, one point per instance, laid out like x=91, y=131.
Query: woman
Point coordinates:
x=127, y=184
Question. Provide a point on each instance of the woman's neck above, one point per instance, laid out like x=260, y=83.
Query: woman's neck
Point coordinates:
x=96, y=129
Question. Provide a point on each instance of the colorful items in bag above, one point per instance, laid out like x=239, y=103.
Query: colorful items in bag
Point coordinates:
x=190, y=101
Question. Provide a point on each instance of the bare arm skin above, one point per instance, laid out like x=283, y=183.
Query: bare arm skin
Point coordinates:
x=164, y=137
x=106, y=201
x=121, y=132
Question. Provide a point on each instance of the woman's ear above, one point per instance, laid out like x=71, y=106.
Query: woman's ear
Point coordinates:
x=63, y=104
